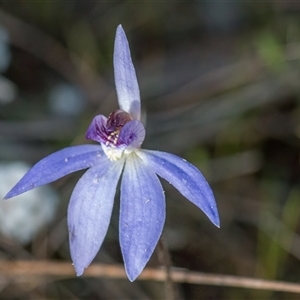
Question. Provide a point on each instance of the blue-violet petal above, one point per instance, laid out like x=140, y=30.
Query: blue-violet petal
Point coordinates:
x=132, y=134
x=186, y=178
x=97, y=129
x=89, y=212
x=57, y=165
x=125, y=76
x=142, y=215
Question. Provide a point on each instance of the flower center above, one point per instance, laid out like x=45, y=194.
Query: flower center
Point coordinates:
x=115, y=122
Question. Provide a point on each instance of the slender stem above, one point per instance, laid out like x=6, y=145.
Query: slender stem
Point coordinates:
x=165, y=259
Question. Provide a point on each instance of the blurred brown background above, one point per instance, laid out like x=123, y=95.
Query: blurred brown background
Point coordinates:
x=220, y=86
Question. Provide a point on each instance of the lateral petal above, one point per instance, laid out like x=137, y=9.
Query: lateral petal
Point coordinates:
x=97, y=129
x=125, y=77
x=57, y=165
x=89, y=212
x=186, y=178
x=142, y=215
x=132, y=134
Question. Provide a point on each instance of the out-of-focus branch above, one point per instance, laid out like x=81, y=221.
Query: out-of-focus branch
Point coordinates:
x=19, y=270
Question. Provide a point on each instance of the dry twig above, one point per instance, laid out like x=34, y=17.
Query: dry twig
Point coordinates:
x=18, y=269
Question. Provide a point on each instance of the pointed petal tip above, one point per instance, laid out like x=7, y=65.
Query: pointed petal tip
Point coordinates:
x=14, y=192
x=80, y=273
x=120, y=31
x=131, y=279
x=214, y=218
x=132, y=276
x=10, y=195
x=79, y=268
x=217, y=223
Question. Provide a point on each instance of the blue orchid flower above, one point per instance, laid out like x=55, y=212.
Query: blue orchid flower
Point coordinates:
x=142, y=206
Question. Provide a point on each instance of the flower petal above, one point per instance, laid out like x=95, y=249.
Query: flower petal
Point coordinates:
x=90, y=210
x=125, y=77
x=142, y=215
x=186, y=178
x=97, y=129
x=132, y=134
x=57, y=165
